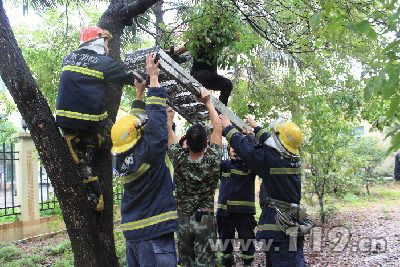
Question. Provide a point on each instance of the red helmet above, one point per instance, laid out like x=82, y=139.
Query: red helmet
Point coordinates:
x=92, y=32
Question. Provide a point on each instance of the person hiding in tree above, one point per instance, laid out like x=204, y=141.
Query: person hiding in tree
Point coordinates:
x=205, y=58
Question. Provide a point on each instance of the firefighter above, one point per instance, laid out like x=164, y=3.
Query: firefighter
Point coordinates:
x=277, y=162
x=236, y=209
x=80, y=109
x=149, y=216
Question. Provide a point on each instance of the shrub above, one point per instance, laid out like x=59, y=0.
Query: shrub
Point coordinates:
x=63, y=263
x=60, y=248
x=8, y=253
x=28, y=261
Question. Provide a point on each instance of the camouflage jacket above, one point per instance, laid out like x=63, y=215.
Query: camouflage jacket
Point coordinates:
x=195, y=180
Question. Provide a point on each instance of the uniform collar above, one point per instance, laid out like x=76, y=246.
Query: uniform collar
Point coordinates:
x=95, y=45
x=274, y=142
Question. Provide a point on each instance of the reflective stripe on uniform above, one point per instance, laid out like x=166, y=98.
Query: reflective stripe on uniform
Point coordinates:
x=268, y=227
x=133, y=176
x=241, y=203
x=247, y=257
x=222, y=206
x=90, y=180
x=138, y=111
x=260, y=132
x=240, y=172
x=225, y=174
x=170, y=215
x=86, y=71
x=81, y=116
x=156, y=101
x=230, y=133
x=285, y=170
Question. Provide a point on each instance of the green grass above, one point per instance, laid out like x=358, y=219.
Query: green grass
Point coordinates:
x=63, y=263
x=8, y=218
x=59, y=249
x=9, y=253
x=28, y=261
x=386, y=195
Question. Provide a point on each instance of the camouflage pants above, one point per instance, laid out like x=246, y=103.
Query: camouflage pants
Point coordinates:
x=194, y=247
x=81, y=145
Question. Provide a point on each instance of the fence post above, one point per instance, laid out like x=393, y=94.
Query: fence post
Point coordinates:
x=27, y=177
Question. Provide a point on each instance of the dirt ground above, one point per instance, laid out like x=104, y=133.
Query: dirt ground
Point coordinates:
x=358, y=235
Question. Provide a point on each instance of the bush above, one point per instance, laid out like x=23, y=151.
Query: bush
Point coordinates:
x=349, y=197
x=327, y=211
x=120, y=248
x=59, y=249
x=63, y=263
x=8, y=253
x=28, y=261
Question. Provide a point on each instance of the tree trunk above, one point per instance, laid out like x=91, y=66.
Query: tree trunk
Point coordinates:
x=91, y=233
x=159, y=14
x=321, y=209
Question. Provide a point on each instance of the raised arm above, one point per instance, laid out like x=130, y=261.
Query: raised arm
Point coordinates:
x=155, y=131
x=216, y=136
x=172, y=138
x=138, y=106
x=243, y=147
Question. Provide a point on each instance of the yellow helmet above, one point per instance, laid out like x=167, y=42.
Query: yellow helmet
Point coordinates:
x=125, y=133
x=290, y=135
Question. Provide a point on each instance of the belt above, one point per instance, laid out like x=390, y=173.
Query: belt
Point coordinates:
x=274, y=203
x=198, y=213
x=203, y=211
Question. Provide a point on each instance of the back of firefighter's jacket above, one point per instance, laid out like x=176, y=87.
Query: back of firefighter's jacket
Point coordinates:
x=148, y=205
x=236, y=188
x=80, y=103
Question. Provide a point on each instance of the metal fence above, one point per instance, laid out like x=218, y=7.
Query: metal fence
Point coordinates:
x=8, y=189
x=47, y=198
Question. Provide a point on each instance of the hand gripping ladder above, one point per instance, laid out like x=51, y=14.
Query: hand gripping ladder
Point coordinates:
x=182, y=89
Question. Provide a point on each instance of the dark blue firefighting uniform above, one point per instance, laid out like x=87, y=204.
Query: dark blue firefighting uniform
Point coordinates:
x=236, y=209
x=83, y=81
x=148, y=205
x=80, y=110
x=281, y=183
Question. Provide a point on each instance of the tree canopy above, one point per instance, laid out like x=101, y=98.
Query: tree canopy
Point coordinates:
x=327, y=65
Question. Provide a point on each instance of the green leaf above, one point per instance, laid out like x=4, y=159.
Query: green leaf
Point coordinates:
x=314, y=20
x=394, y=103
x=352, y=27
x=392, y=45
x=368, y=90
x=365, y=27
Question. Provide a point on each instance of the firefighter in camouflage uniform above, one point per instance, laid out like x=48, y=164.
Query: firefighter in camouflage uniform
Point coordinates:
x=80, y=110
x=195, y=178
